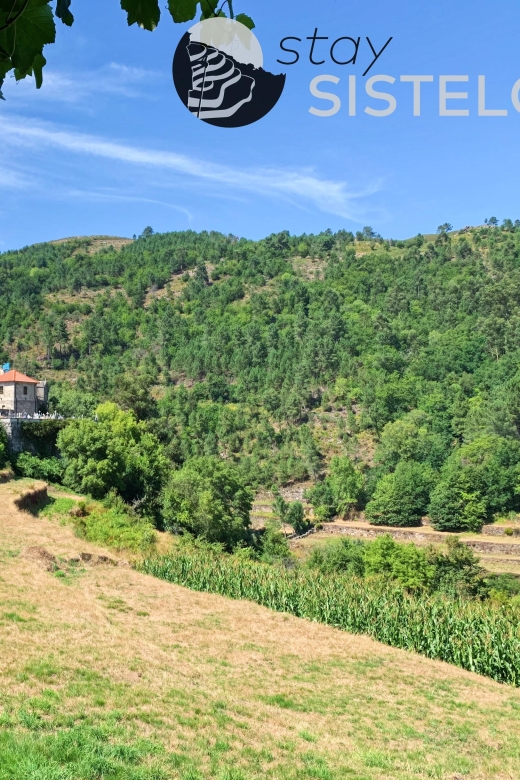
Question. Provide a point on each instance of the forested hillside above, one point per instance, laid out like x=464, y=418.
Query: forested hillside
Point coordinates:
x=386, y=372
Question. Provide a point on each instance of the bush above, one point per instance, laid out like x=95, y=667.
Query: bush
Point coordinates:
x=208, y=498
x=47, y=469
x=295, y=517
x=504, y=588
x=457, y=571
x=401, y=498
x=112, y=524
x=339, y=555
x=405, y=563
x=117, y=528
x=274, y=545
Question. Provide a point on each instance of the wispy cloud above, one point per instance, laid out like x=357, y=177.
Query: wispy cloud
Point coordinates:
x=13, y=180
x=114, y=197
x=76, y=88
x=302, y=187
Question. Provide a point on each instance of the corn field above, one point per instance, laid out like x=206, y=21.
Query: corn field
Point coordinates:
x=478, y=637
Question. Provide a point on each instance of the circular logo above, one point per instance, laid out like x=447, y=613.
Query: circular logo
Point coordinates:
x=219, y=76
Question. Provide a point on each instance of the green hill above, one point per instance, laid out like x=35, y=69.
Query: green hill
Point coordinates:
x=280, y=354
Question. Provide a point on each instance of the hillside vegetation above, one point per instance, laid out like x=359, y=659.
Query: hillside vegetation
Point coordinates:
x=279, y=354
x=106, y=672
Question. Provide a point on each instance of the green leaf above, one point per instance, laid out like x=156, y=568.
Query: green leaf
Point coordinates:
x=245, y=20
x=182, y=10
x=38, y=65
x=26, y=38
x=63, y=13
x=208, y=8
x=145, y=13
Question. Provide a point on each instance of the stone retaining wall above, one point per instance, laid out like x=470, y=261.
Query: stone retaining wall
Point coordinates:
x=372, y=533
x=500, y=530
x=13, y=429
x=416, y=536
x=494, y=547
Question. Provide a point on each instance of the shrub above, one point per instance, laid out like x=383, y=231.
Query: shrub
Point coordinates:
x=295, y=517
x=504, y=588
x=48, y=469
x=112, y=524
x=120, y=529
x=456, y=571
x=274, y=545
x=339, y=555
x=405, y=563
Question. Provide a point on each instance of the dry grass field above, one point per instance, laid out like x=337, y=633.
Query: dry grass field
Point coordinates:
x=106, y=673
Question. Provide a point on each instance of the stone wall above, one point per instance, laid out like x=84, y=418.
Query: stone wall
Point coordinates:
x=35, y=436
x=372, y=533
x=13, y=428
x=500, y=530
x=421, y=538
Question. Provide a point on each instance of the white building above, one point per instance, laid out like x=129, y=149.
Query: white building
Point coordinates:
x=21, y=395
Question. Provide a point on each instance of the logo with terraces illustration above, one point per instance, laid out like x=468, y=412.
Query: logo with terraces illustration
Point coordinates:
x=219, y=76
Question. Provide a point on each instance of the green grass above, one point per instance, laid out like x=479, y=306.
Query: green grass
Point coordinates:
x=478, y=637
x=57, y=507
x=78, y=752
x=116, y=529
x=38, y=742
x=110, y=527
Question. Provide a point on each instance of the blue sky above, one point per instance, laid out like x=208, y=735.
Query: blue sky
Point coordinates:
x=106, y=146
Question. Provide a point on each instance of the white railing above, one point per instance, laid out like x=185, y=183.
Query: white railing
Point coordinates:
x=7, y=414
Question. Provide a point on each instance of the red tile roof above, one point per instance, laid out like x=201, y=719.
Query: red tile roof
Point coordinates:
x=16, y=376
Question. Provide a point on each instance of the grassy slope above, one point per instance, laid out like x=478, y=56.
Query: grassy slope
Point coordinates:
x=108, y=673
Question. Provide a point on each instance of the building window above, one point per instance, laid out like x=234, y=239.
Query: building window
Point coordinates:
x=1, y=389
x=25, y=390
